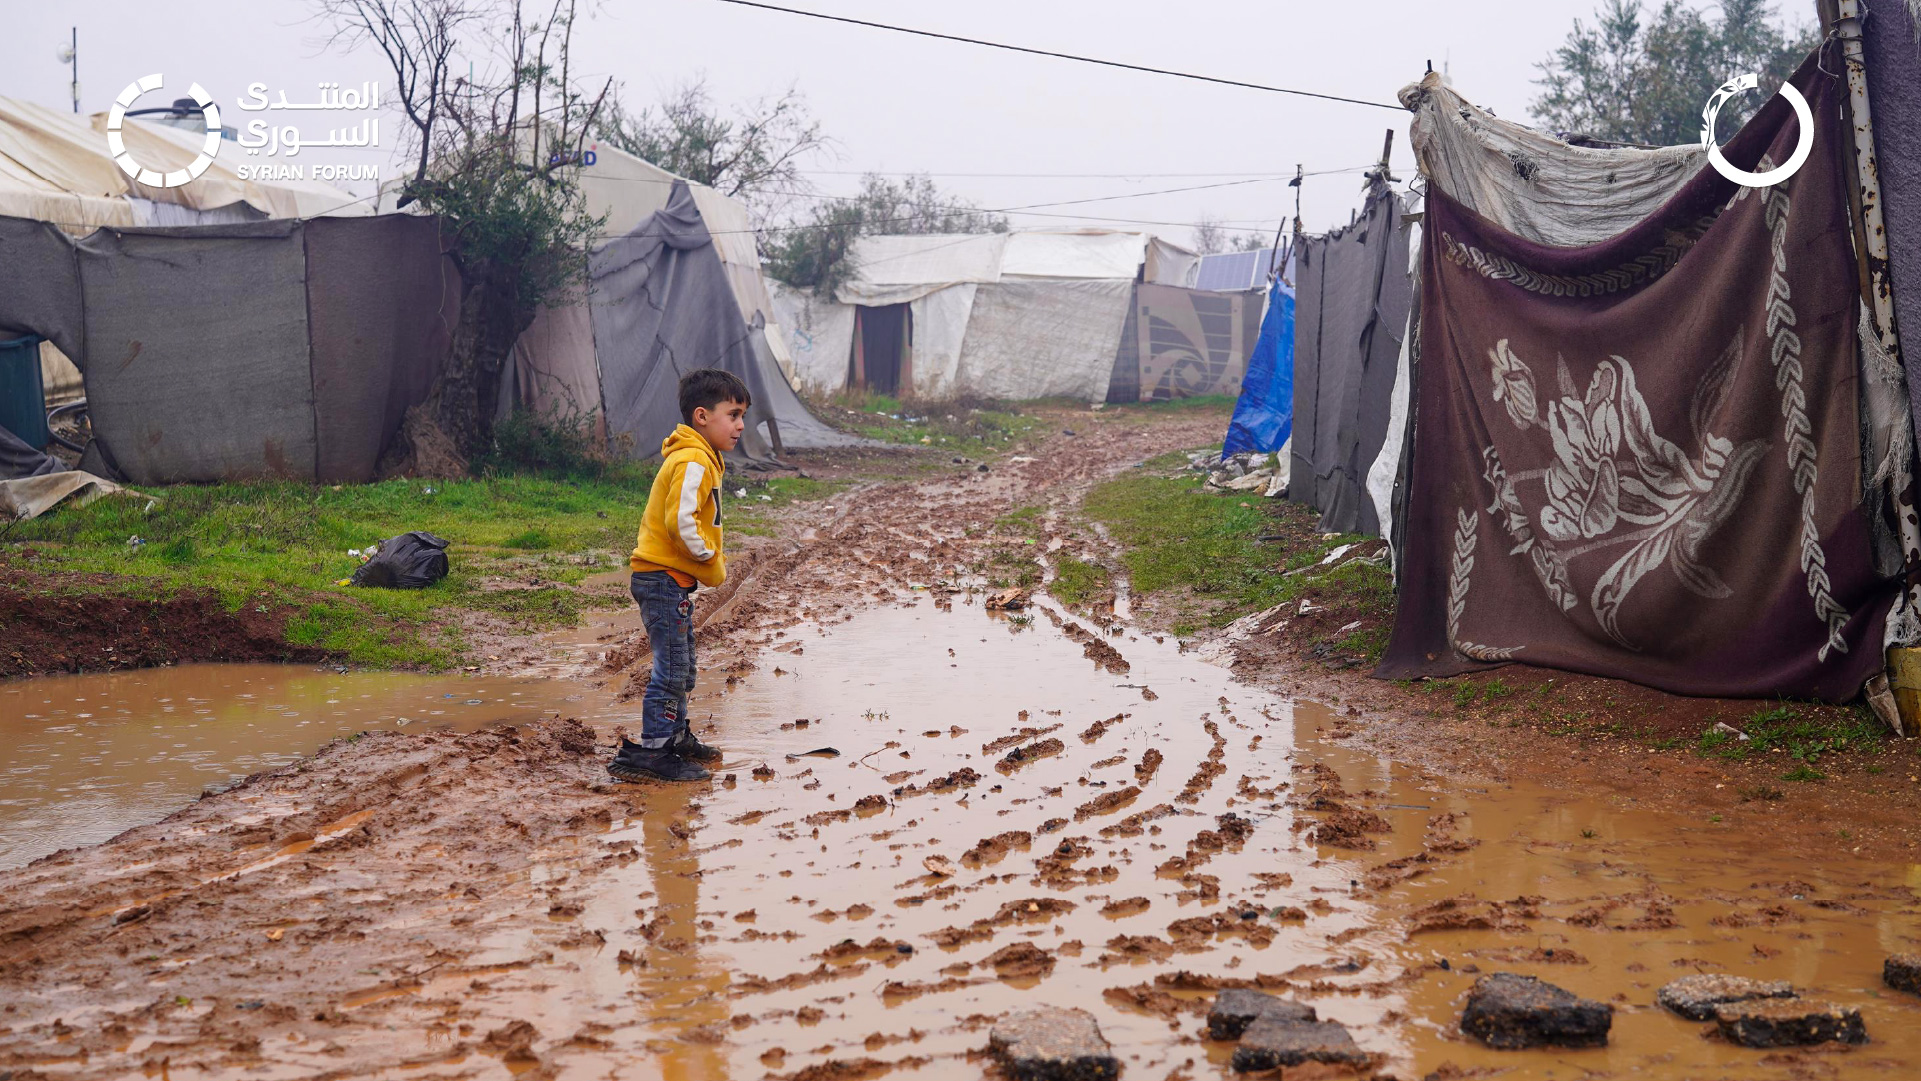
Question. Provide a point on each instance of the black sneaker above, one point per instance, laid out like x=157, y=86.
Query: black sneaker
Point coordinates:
x=637, y=763
x=687, y=745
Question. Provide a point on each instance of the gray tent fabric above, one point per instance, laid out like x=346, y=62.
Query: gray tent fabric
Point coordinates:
x=662, y=306
x=18, y=458
x=382, y=300
x=197, y=362
x=40, y=285
x=1351, y=308
x=1893, y=56
x=280, y=348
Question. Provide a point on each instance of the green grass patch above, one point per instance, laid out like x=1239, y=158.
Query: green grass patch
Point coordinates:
x=1804, y=732
x=1076, y=581
x=1180, y=536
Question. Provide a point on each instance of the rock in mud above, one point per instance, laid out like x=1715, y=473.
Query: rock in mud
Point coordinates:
x=1238, y=1007
x=1790, y=1023
x=1695, y=997
x=1053, y=1044
x=1510, y=1011
x=1273, y=1040
x=1903, y=972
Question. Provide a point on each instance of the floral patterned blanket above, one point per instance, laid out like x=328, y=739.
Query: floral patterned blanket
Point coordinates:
x=1641, y=458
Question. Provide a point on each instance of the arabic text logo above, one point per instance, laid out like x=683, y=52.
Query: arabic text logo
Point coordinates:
x=210, y=114
x=1741, y=176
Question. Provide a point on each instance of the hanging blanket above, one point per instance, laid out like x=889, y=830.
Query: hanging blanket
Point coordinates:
x=1640, y=458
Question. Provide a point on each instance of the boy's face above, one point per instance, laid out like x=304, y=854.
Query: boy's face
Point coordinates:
x=722, y=424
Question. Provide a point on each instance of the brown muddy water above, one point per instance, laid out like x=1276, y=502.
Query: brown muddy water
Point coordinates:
x=785, y=918
x=84, y=757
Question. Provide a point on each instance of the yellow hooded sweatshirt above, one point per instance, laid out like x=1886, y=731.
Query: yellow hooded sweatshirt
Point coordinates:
x=680, y=530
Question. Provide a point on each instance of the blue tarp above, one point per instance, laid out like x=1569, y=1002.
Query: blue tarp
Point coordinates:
x=1264, y=415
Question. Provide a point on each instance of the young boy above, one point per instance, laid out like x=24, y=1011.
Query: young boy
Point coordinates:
x=679, y=549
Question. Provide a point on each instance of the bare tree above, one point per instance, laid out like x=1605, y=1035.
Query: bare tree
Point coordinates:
x=1209, y=235
x=752, y=152
x=497, y=164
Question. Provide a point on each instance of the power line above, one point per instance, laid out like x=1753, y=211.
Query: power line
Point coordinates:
x=1058, y=56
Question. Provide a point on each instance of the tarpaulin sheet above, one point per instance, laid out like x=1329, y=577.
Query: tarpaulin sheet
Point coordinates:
x=1352, y=299
x=42, y=294
x=940, y=330
x=1042, y=339
x=1078, y=253
x=1264, y=414
x=1639, y=458
x=820, y=338
x=899, y=269
x=382, y=301
x=1529, y=182
x=662, y=306
x=197, y=360
x=552, y=372
x=1191, y=342
x=1893, y=48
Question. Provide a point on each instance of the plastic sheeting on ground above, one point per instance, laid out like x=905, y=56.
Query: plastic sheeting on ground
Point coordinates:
x=1264, y=413
x=30, y=497
x=279, y=348
x=1351, y=308
x=659, y=304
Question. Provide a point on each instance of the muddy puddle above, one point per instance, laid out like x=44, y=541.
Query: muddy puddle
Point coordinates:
x=84, y=757
x=1013, y=814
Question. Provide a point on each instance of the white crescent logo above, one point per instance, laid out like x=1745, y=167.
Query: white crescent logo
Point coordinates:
x=210, y=115
x=1742, y=176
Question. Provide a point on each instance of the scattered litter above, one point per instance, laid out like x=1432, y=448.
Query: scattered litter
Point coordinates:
x=818, y=752
x=740, y=493
x=1021, y=459
x=1012, y=599
x=1250, y=471
x=135, y=541
x=1346, y=627
x=410, y=561
x=1727, y=729
x=1308, y=608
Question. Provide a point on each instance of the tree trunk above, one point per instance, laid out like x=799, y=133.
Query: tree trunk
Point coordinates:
x=442, y=435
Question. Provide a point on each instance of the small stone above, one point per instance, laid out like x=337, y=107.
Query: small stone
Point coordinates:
x=1273, y=1040
x=1508, y=1011
x=1237, y=1007
x=1695, y=997
x=1903, y=972
x=1053, y=1044
x=1793, y=1023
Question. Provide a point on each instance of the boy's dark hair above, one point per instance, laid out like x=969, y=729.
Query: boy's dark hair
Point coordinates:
x=705, y=388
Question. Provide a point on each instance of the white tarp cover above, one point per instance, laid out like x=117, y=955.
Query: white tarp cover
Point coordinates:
x=820, y=338
x=1170, y=264
x=940, y=334
x=899, y=269
x=1042, y=339
x=1078, y=253
x=1529, y=182
x=30, y=497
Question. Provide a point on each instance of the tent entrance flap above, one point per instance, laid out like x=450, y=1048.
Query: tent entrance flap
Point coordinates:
x=883, y=349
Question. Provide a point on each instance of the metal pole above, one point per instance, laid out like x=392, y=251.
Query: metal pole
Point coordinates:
x=76, y=71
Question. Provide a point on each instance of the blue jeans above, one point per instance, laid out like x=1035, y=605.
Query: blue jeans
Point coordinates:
x=667, y=610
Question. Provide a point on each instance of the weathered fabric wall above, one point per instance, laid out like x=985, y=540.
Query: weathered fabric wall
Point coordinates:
x=41, y=292
x=1893, y=55
x=382, y=301
x=1043, y=339
x=939, y=332
x=197, y=358
x=820, y=338
x=1351, y=305
x=553, y=371
x=1639, y=458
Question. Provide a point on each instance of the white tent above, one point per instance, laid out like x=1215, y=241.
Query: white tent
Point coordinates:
x=1000, y=315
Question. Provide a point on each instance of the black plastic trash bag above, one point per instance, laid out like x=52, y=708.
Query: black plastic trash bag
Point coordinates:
x=410, y=561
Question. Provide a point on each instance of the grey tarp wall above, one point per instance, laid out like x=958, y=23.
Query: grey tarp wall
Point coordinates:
x=1181, y=343
x=278, y=348
x=1894, y=96
x=661, y=305
x=1352, y=296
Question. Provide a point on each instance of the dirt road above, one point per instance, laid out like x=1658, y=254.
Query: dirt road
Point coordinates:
x=929, y=814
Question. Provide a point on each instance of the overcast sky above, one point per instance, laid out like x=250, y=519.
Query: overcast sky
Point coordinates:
x=895, y=103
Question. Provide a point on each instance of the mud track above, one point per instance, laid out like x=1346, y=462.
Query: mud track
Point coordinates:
x=929, y=814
